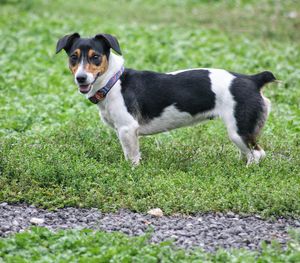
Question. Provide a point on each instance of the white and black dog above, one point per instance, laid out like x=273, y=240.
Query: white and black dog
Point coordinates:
x=143, y=102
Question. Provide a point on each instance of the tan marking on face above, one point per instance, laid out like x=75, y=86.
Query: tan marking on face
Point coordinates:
x=95, y=69
x=74, y=68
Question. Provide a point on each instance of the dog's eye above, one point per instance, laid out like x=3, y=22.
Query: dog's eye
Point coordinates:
x=95, y=57
x=73, y=57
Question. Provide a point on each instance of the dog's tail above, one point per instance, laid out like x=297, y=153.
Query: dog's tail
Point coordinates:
x=263, y=78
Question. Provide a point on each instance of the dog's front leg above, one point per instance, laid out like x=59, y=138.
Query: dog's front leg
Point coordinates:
x=130, y=143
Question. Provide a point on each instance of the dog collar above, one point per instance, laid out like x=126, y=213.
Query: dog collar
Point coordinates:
x=101, y=93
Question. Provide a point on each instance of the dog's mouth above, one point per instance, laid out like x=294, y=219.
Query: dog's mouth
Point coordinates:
x=85, y=88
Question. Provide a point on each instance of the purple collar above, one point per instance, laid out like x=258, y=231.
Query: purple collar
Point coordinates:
x=101, y=93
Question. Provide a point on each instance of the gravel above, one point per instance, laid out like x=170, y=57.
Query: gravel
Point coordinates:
x=207, y=231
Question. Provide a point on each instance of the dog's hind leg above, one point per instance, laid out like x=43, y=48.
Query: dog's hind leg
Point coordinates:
x=239, y=142
x=257, y=153
x=130, y=144
x=244, y=126
x=250, y=112
x=249, y=149
x=247, y=144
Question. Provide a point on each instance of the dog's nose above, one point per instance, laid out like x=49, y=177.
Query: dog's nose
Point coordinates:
x=81, y=78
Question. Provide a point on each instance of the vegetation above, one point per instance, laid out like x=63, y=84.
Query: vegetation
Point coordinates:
x=55, y=152
x=41, y=245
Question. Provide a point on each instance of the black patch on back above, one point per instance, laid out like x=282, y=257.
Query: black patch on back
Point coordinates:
x=147, y=94
x=249, y=105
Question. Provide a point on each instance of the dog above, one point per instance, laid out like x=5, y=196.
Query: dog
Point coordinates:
x=136, y=103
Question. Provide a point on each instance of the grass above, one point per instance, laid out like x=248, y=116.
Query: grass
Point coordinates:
x=54, y=152
x=41, y=245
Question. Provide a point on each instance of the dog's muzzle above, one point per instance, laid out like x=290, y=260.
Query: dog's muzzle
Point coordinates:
x=85, y=88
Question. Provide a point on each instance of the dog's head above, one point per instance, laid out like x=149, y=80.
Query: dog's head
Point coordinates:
x=88, y=57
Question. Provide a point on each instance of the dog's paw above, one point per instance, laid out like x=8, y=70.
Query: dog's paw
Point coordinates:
x=255, y=156
x=136, y=160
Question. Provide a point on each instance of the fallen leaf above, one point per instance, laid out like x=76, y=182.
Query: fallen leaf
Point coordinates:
x=156, y=212
x=36, y=221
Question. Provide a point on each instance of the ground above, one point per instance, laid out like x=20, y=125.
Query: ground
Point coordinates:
x=55, y=152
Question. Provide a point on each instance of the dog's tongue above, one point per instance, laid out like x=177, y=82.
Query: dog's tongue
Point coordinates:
x=84, y=88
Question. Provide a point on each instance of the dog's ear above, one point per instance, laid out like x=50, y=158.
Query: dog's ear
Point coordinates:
x=66, y=42
x=111, y=41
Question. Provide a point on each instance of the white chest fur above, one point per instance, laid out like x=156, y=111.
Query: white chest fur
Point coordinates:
x=113, y=110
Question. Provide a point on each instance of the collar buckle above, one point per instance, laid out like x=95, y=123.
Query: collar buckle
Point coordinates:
x=99, y=95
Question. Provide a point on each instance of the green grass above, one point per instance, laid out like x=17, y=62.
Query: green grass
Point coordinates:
x=54, y=151
x=41, y=245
